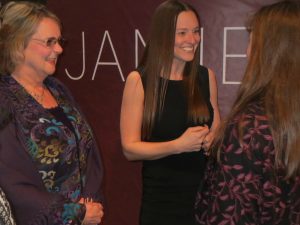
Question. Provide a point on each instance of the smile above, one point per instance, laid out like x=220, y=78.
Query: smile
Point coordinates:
x=188, y=49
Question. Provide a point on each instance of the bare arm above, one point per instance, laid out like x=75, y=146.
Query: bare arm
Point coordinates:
x=214, y=102
x=131, y=123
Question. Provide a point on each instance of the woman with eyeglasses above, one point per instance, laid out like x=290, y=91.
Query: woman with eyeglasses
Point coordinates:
x=51, y=171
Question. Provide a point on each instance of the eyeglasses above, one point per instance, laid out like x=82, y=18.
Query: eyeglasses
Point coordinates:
x=51, y=42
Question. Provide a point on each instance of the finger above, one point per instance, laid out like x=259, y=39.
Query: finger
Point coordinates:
x=81, y=201
x=201, y=140
x=101, y=216
x=206, y=153
x=207, y=144
x=203, y=133
x=206, y=150
x=197, y=128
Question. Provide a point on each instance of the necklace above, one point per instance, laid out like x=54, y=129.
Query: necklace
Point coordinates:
x=37, y=96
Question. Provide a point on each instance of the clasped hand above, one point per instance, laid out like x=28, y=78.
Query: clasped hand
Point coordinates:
x=192, y=139
x=94, y=212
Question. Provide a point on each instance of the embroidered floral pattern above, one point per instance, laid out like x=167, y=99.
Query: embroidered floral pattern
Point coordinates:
x=48, y=178
x=59, y=154
x=69, y=211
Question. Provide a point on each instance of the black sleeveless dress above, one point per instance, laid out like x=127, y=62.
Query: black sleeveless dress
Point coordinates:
x=170, y=183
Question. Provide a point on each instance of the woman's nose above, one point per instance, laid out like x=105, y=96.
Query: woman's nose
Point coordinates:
x=58, y=48
x=193, y=37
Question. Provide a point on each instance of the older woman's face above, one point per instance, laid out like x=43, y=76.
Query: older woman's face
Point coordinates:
x=43, y=49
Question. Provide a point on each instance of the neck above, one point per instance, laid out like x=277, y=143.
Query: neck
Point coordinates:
x=34, y=87
x=177, y=71
x=26, y=81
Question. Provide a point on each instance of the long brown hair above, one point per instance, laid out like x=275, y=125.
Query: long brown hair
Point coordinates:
x=157, y=61
x=273, y=76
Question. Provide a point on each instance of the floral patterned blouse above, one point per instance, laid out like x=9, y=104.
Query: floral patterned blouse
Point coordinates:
x=244, y=188
x=45, y=166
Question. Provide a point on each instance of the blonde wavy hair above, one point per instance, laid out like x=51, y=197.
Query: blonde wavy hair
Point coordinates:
x=18, y=22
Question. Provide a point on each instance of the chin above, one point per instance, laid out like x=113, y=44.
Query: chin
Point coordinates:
x=50, y=71
x=188, y=59
x=185, y=58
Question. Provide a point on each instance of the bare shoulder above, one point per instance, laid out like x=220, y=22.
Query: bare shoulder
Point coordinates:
x=133, y=77
x=134, y=83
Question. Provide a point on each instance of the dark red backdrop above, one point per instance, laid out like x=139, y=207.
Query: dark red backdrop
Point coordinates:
x=102, y=49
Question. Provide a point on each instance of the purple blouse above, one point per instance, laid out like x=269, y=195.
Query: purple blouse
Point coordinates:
x=244, y=188
x=46, y=167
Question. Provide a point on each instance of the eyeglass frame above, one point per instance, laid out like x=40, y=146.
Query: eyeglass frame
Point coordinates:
x=51, y=42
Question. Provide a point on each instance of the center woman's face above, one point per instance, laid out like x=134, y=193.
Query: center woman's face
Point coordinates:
x=187, y=36
x=43, y=49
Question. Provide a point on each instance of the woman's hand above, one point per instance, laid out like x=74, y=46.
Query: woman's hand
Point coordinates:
x=94, y=212
x=208, y=141
x=192, y=139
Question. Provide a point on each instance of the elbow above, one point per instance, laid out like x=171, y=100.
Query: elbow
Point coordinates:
x=128, y=154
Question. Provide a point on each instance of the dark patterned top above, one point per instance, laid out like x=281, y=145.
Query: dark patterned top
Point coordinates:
x=46, y=167
x=244, y=188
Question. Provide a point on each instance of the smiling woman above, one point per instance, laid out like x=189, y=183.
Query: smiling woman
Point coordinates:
x=49, y=161
x=169, y=116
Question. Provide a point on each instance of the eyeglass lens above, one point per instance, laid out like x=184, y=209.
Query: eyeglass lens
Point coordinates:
x=52, y=41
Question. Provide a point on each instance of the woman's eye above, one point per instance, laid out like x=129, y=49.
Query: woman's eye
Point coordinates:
x=181, y=33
